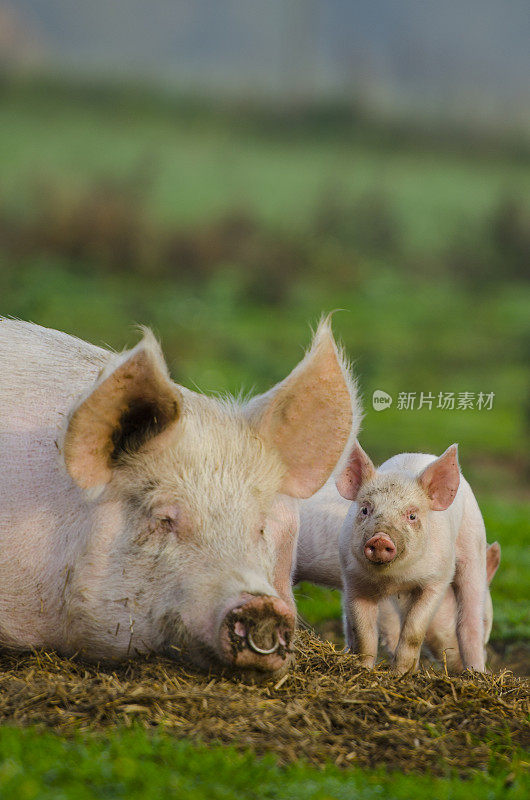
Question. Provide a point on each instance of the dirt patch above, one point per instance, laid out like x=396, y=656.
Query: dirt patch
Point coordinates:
x=514, y=656
x=326, y=708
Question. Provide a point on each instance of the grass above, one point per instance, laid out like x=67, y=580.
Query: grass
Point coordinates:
x=508, y=523
x=157, y=725
x=134, y=763
x=326, y=709
x=438, y=305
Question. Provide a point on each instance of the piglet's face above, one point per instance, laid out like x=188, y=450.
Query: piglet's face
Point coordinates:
x=391, y=520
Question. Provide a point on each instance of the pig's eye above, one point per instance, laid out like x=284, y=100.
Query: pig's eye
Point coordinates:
x=168, y=520
x=365, y=510
x=412, y=516
x=166, y=524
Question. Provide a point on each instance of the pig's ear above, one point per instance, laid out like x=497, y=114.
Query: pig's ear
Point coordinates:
x=441, y=479
x=493, y=559
x=310, y=417
x=358, y=469
x=132, y=404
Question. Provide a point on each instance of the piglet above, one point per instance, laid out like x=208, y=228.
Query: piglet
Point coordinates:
x=317, y=560
x=414, y=529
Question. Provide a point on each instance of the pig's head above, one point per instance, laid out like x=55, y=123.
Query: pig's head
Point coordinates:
x=390, y=517
x=193, y=509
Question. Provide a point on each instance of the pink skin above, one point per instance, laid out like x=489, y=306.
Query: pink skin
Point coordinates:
x=284, y=522
x=441, y=640
x=283, y=527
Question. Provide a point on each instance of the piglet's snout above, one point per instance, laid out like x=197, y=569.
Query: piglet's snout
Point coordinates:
x=258, y=633
x=380, y=549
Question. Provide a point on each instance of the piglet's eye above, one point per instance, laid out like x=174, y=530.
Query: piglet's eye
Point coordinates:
x=412, y=516
x=364, y=511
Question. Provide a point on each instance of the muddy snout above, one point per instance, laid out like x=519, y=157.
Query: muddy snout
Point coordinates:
x=380, y=549
x=258, y=633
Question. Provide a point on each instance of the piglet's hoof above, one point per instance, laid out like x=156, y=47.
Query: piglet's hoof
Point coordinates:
x=404, y=667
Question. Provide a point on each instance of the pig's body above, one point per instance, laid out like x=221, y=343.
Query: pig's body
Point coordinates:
x=317, y=551
x=456, y=541
x=138, y=516
x=46, y=520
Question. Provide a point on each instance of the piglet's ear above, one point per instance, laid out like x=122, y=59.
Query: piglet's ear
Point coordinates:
x=493, y=559
x=357, y=471
x=441, y=479
x=131, y=406
x=310, y=416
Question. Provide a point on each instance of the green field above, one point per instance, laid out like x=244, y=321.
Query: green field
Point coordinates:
x=423, y=244
x=137, y=764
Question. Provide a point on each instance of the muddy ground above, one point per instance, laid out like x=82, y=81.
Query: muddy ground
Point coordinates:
x=513, y=656
x=327, y=708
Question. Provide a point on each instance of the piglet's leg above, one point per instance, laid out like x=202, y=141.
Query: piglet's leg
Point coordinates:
x=360, y=623
x=389, y=622
x=441, y=636
x=469, y=585
x=424, y=603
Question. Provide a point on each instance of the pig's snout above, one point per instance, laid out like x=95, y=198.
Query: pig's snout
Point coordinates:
x=257, y=633
x=380, y=549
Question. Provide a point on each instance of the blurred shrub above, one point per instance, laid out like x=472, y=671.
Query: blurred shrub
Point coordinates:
x=108, y=227
x=510, y=235
x=368, y=224
x=267, y=263
x=494, y=250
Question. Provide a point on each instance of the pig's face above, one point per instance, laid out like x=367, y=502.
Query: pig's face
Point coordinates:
x=207, y=531
x=390, y=525
x=196, y=512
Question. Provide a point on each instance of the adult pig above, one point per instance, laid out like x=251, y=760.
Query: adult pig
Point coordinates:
x=139, y=516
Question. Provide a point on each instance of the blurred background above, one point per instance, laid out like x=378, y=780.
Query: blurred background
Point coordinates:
x=226, y=171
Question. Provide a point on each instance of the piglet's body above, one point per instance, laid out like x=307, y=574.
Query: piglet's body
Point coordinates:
x=415, y=529
x=409, y=580
x=441, y=640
